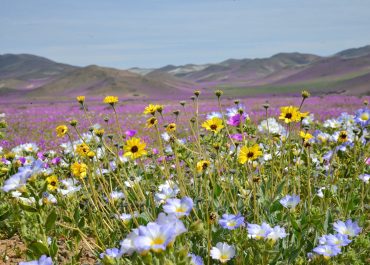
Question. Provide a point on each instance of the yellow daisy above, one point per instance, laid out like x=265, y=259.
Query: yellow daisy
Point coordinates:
x=82, y=149
x=135, y=148
x=52, y=182
x=80, y=99
x=249, y=153
x=343, y=136
x=171, y=127
x=290, y=114
x=214, y=125
x=151, y=109
x=151, y=122
x=305, y=135
x=110, y=100
x=79, y=170
x=61, y=130
x=203, y=165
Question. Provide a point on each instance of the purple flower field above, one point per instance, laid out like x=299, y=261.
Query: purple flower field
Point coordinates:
x=35, y=122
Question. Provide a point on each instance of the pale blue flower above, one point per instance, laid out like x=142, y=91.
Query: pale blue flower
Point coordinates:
x=231, y=221
x=347, y=228
x=290, y=201
x=179, y=207
x=327, y=250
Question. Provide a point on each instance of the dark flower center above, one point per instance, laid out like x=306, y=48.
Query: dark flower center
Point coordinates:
x=53, y=183
x=250, y=154
x=134, y=149
x=213, y=127
x=204, y=166
x=288, y=115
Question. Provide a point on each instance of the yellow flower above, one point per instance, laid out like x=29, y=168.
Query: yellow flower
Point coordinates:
x=214, y=125
x=303, y=115
x=171, y=127
x=52, y=182
x=61, y=130
x=99, y=132
x=135, y=148
x=110, y=100
x=151, y=109
x=249, y=153
x=305, y=135
x=79, y=170
x=82, y=149
x=91, y=154
x=151, y=122
x=80, y=99
x=290, y=114
x=203, y=165
x=343, y=137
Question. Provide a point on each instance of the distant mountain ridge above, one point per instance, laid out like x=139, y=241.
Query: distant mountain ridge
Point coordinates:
x=30, y=77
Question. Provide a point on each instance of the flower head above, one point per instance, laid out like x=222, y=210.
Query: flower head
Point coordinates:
x=327, y=250
x=347, y=228
x=111, y=100
x=135, y=148
x=52, y=182
x=290, y=201
x=61, y=130
x=276, y=233
x=79, y=170
x=154, y=237
x=222, y=252
x=203, y=165
x=305, y=136
x=259, y=231
x=362, y=117
x=82, y=149
x=215, y=125
x=179, y=207
x=290, y=114
x=249, y=153
x=151, y=109
x=171, y=127
x=196, y=260
x=43, y=260
x=80, y=99
x=231, y=221
x=365, y=178
x=152, y=121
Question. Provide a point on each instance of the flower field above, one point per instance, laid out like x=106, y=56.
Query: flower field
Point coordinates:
x=201, y=181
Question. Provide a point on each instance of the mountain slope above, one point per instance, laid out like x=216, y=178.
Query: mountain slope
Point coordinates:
x=98, y=81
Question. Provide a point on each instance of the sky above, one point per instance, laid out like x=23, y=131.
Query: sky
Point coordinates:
x=155, y=33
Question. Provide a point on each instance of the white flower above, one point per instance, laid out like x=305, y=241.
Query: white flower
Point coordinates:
x=222, y=252
x=165, y=136
x=71, y=186
x=271, y=126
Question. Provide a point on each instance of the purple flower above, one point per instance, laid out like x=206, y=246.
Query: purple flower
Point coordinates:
x=56, y=160
x=179, y=207
x=130, y=133
x=237, y=137
x=231, y=221
x=289, y=201
x=276, y=233
x=236, y=119
x=347, y=228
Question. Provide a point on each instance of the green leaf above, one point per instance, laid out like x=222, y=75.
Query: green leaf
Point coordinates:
x=50, y=221
x=27, y=208
x=5, y=215
x=38, y=249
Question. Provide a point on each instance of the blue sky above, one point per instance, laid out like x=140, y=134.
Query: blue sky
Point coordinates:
x=154, y=33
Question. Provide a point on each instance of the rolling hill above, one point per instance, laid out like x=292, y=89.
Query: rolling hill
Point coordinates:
x=30, y=77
